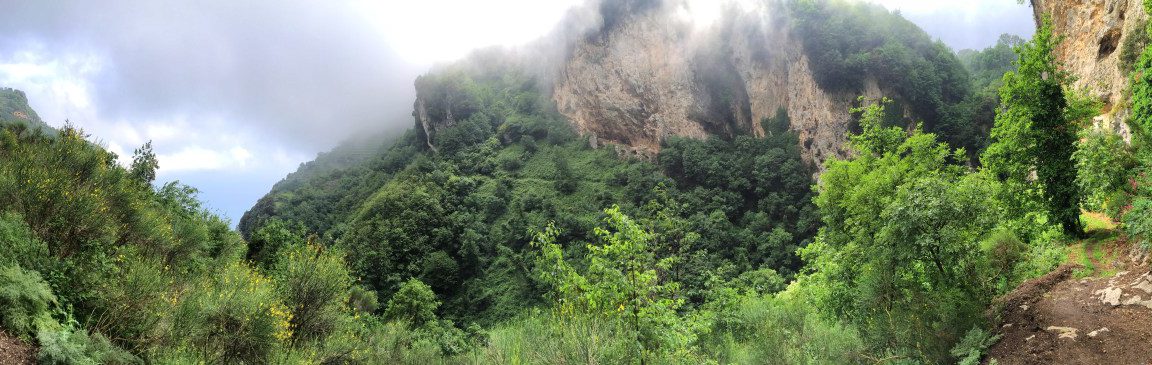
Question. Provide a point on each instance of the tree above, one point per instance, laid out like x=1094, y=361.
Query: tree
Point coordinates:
x=144, y=164
x=899, y=254
x=1036, y=130
x=414, y=303
x=620, y=282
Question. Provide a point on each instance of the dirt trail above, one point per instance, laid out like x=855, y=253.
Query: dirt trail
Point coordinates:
x=15, y=352
x=1057, y=319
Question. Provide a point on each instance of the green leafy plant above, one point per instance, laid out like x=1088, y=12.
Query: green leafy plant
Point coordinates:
x=971, y=349
x=1138, y=221
x=24, y=299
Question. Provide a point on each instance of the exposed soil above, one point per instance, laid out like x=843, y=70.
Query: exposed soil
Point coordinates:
x=1058, y=319
x=14, y=351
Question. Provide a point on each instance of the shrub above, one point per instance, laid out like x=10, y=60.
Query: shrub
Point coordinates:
x=1004, y=251
x=69, y=345
x=1103, y=162
x=24, y=298
x=547, y=339
x=781, y=329
x=1138, y=221
x=233, y=317
x=18, y=245
x=973, y=346
x=414, y=304
x=314, y=284
x=135, y=302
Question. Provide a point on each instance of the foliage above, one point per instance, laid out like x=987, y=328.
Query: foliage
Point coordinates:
x=24, y=299
x=1103, y=164
x=972, y=347
x=1138, y=221
x=898, y=256
x=66, y=344
x=314, y=284
x=414, y=304
x=233, y=317
x=851, y=43
x=1141, y=84
x=1036, y=131
x=144, y=164
x=620, y=282
x=780, y=329
x=989, y=65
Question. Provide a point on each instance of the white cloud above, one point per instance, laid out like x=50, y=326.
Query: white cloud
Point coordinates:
x=428, y=31
x=59, y=88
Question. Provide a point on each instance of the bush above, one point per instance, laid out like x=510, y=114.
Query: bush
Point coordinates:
x=18, y=245
x=1103, y=163
x=234, y=317
x=69, y=345
x=1138, y=221
x=314, y=284
x=973, y=346
x=414, y=304
x=547, y=339
x=135, y=302
x=24, y=298
x=1004, y=251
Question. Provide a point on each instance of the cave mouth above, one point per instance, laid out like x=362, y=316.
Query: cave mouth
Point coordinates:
x=1108, y=43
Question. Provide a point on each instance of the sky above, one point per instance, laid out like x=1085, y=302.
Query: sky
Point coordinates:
x=235, y=95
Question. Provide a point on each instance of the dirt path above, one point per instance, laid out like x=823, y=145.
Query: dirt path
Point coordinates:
x=15, y=352
x=1057, y=319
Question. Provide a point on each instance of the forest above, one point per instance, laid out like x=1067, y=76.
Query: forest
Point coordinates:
x=508, y=238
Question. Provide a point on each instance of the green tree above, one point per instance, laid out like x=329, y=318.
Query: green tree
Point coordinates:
x=899, y=255
x=414, y=303
x=1036, y=130
x=621, y=282
x=144, y=164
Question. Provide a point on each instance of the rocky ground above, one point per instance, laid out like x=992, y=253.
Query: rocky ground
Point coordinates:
x=15, y=352
x=1059, y=319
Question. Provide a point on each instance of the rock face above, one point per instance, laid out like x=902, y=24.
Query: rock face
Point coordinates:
x=657, y=75
x=1102, y=40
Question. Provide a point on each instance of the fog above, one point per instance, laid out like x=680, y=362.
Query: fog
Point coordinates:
x=235, y=94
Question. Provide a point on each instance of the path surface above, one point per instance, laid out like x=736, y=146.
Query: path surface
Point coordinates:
x=16, y=352
x=1057, y=319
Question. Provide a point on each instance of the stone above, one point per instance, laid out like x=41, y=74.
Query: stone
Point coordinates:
x=1098, y=332
x=1110, y=295
x=1063, y=332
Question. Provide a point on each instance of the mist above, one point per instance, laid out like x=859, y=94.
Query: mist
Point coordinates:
x=235, y=95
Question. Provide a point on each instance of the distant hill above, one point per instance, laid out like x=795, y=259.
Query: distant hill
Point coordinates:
x=14, y=109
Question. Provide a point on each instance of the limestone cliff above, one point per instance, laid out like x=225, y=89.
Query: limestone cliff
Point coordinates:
x=647, y=70
x=1102, y=40
x=658, y=75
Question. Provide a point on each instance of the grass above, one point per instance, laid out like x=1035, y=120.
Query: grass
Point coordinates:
x=1098, y=252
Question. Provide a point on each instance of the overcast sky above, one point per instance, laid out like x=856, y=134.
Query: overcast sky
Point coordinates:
x=236, y=94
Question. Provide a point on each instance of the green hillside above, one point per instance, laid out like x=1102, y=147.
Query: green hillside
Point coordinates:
x=14, y=110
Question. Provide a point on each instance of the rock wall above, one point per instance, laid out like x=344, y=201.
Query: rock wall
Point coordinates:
x=658, y=75
x=1099, y=36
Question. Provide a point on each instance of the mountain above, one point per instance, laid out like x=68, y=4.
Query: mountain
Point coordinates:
x=642, y=71
x=14, y=109
x=631, y=103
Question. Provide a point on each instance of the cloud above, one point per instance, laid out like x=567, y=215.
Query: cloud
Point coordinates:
x=303, y=73
x=971, y=24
